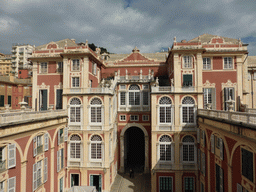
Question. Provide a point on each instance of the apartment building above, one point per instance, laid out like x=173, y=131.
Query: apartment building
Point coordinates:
x=138, y=110
x=20, y=54
x=5, y=64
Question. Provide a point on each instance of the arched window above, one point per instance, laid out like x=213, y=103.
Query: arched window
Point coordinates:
x=165, y=110
x=75, y=147
x=75, y=110
x=165, y=148
x=96, y=147
x=134, y=95
x=188, y=110
x=188, y=149
x=96, y=113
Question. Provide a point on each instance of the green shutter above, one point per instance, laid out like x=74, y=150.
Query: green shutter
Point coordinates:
x=43, y=100
x=100, y=183
x=187, y=80
x=91, y=180
x=1, y=100
x=59, y=99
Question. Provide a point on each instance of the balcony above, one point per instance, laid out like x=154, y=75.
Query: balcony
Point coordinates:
x=134, y=78
x=97, y=90
x=2, y=166
x=240, y=118
x=21, y=52
x=162, y=89
x=14, y=51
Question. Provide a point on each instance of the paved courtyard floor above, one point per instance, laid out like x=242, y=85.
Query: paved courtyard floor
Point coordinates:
x=140, y=183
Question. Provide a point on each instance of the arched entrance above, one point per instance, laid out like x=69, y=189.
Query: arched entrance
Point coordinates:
x=134, y=149
x=134, y=144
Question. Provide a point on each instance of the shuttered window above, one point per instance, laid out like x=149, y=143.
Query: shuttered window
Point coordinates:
x=187, y=80
x=1, y=100
x=247, y=164
x=59, y=99
x=11, y=184
x=209, y=97
x=11, y=155
x=219, y=178
x=229, y=93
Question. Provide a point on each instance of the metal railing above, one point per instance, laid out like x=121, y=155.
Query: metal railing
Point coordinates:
x=247, y=118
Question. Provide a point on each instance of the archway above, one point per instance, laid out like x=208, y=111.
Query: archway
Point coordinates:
x=123, y=145
x=134, y=149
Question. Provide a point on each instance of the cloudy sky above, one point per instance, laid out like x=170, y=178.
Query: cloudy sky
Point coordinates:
x=120, y=25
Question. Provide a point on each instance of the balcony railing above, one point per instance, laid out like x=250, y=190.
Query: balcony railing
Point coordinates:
x=2, y=166
x=162, y=89
x=238, y=117
x=12, y=117
x=91, y=90
x=135, y=78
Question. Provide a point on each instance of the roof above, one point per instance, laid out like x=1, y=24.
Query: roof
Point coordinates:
x=8, y=79
x=60, y=44
x=251, y=61
x=159, y=56
x=206, y=38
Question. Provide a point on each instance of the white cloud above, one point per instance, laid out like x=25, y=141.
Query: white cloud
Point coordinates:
x=7, y=24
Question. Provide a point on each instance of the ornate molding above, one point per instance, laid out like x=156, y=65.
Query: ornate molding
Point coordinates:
x=228, y=84
x=60, y=86
x=208, y=84
x=43, y=86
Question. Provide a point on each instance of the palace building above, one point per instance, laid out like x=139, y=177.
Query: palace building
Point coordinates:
x=153, y=112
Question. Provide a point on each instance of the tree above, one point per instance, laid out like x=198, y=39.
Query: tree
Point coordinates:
x=93, y=47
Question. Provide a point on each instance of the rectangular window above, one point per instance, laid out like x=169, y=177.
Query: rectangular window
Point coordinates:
x=189, y=184
x=59, y=99
x=187, y=80
x=94, y=68
x=11, y=184
x=1, y=100
x=187, y=62
x=74, y=180
x=75, y=82
x=43, y=99
x=2, y=186
x=219, y=178
x=43, y=67
x=229, y=94
x=122, y=117
x=207, y=63
x=40, y=176
x=145, y=95
x=10, y=100
x=134, y=118
x=76, y=65
x=145, y=117
x=228, y=63
x=61, y=188
x=247, y=164
x=122, y=98
x=60, y=67
x=209, y=98
x=60, y=159
x=165, y=184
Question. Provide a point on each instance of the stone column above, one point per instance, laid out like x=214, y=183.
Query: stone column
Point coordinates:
x=239, y=77
x=34, y=90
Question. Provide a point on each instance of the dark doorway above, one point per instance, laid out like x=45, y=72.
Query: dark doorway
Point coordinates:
x=74, y=180
x=95, y=180
x=134, y=149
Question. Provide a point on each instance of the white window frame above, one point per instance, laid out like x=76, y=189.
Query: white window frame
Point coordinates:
x=75, y=112
x=207, y=63
x=94, y=68
x=208, y=96
x=60, y=158
x=165, y=106
x=122, y=117
x=75, y=65
x=134, y=117
x=122, y=97
x=11, y=188
x=98, y=115
x=75, y=82
x=133, y=96
x=11, y=159
x=60, y=67
x=189, y=106
x=100, y=143
x=189, y=144
x=227, y=64
x=77, y=144
x=187, y=61
x=43, y=67
x=171, y=144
